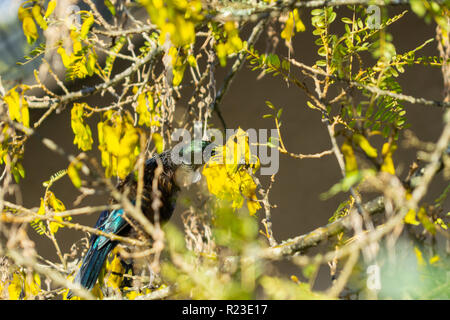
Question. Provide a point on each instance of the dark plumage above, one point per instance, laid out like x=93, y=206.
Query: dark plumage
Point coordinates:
x=173, y=177
x=414, y=177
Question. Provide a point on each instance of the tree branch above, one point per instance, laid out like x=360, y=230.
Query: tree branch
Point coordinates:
x=313, y=238
x=373, y=89
x=54, y=103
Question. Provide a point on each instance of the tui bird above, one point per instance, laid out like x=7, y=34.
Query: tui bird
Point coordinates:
x=175, y=174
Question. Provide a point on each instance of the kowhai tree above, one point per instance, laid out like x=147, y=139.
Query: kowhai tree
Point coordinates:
x=150, y=56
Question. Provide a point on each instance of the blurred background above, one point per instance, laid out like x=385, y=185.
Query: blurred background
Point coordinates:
x=298, y=182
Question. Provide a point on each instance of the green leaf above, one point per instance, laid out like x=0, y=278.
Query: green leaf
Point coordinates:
x=321, y=63
x=274, y=60
x=347, y=20
x=318, y=22
x=270, y=105
x=309, y=270
x=285, y=65
x=346, y=183
x=111, y=58
x=311, y=105
x=332, y=17
x=418, y=7
x=322, y=51
x=279, y=113
x=110, y=7
x=18, y=171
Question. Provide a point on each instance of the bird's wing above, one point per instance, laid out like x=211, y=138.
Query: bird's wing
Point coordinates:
x=101, y=220
x=113, y=223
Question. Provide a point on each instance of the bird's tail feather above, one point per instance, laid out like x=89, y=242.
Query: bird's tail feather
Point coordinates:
x=92, y=265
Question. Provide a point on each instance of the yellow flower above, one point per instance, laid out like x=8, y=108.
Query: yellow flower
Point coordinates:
x=410, y=218
x=18, y=105
x=15, y=287
x=148, y=114
x=232, y=44
x=116, y=269
x=365, y=145
x=420, y=260
x=388, y=164
x=22, y=287
x=57, y=205
x=351, y=165
x=33, y=284
x=158, y=141
x=83, y=135
x=51, y=7
x=176, y=19
x=119, y=144
x=227, y=174
x=293, y=24
x=72, y=172
x=178, y=65
x=28, y=24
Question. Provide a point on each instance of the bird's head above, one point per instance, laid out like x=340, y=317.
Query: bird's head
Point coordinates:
x=193, y=156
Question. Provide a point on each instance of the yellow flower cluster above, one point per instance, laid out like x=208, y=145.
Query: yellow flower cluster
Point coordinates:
x=232, y=43
x=82, y=131
x=148, y=113
x=112, y=276
x=23, y=285
x=11, y=152
x=18, y=105
x=293, y=24
x=82, y=60
x=119, y=143
x=48, y=201
x=31, y=15
x=387, y=151
x=176, y=19
x=178, y=65
x=116, y=270
x=227, y=173
x=4, y=144
x=351, y=165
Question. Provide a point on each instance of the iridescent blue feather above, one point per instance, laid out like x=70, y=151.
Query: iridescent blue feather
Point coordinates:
x=100, y=246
